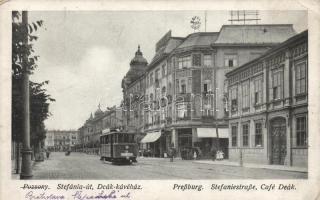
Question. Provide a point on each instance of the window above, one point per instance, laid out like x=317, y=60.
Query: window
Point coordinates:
x=170, y=64
x=245, y=95
x=184, y=62
x=207, y=60
x=234, y=134
x=183, y=87
x=301, y=131
x=234, y=99
x=258, y=91
x=174, y=63
x=245, y=135
x=182, y=110
x=151, y=97
x=151, y=78
x=196, y=60
x=163, y=91
x=258, y=134
x=177, y=86
x=301, y=78
x=163, y=70
x=157, y=74
x=205, y=88
x=230, y=61
x=277, y=79
x=189, y=89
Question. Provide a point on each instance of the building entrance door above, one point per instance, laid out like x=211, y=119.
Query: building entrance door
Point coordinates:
x=278, y=141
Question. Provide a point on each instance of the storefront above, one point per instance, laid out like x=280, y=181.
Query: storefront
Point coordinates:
x=207, y=141
x=152, y=143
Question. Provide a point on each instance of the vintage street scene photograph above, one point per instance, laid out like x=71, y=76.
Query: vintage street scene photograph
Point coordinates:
x=159, y=95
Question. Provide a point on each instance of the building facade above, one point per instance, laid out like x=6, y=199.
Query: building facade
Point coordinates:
x=186, y=79
x=49, y=141
x=133, y=87
x=97, y=124
x=178, y=99
x=62, y=140
x=268, y=106
x=159, y=97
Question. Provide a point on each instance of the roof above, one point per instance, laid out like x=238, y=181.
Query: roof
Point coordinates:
x=199, y=39
x=270, y=51
x=138, y=58
x=172, y=43
x=254, y=34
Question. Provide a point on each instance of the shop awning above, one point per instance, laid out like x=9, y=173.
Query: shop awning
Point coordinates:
x=211, y=132
x=151, y=137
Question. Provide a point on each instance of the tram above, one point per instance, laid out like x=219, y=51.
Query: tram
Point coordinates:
x=118, y=147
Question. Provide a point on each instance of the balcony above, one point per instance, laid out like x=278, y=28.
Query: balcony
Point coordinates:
x=185, y=118
x=183, y=97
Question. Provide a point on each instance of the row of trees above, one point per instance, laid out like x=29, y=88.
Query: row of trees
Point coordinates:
x=22, y=38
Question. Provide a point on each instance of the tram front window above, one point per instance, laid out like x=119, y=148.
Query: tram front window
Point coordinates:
x=126, y=139
x=107, y=139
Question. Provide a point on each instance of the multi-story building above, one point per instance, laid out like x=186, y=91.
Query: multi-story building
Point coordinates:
x=268, y=106
x=185, y=84
x=159, y=96
x=49, y=141
x=92, y=129
x=97, y=124
x=133, y=86
x=61, y=140
x=97, y=127
x=112, y=119
x=86, y=131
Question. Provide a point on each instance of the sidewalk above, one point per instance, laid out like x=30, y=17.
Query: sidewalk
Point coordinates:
x=251, y=165
x=158, y=158
x=15, y=176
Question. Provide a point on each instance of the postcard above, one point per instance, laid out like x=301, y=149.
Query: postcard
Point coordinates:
x=159, y=100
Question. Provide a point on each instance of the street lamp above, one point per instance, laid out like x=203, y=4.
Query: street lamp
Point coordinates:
x=26, y=170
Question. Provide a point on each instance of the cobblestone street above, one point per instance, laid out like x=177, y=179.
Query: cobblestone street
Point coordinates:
x=83, y=166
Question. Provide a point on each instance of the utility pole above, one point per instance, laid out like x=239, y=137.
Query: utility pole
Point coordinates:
x=216, y=118
x=216, y=104
x=26, y=171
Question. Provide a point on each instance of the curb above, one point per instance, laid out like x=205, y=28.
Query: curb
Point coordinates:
x=302, y=170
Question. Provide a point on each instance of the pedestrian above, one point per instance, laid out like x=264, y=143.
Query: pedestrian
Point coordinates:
x=47, y=153
x=195, y=155
x=213, y=152
x=172, y=151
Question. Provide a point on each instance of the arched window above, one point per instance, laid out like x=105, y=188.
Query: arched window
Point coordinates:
x=151, y=97
x=183, y=87
x=163, y=91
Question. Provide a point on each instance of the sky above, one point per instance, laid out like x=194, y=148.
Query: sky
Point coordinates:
x=85, y=55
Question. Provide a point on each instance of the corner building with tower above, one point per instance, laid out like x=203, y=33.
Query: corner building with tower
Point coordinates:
x=180, y=98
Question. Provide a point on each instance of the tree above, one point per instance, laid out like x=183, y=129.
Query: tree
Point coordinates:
x=39, y=98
